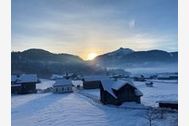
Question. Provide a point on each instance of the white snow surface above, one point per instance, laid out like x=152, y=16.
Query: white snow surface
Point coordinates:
x=45, y=84
x=74, y=109
x=60, y=82
x=26, y=78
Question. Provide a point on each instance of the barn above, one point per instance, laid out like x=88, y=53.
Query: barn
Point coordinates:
x=25, y=83
x=62, y=86
x=168, y=104
x=93, y=81
x=118, y=92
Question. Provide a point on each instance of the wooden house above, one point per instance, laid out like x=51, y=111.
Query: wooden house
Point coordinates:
x=168, y=104
x=62, y=86
x=92, y=82
x=118, y=92
x=24, y=84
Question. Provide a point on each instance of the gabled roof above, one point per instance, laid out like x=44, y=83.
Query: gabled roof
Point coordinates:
x=109, y=85
x=120, y=83
x=62, y=82
x=138, y=92
x=95, y=77
x=27, y=78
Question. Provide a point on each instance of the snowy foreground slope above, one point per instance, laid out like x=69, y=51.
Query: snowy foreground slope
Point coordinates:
x=74, y=109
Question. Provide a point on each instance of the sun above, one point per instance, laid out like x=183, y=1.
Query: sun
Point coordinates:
x=91, y=56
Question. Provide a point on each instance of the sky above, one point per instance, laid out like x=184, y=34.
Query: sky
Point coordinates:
x=82, y=27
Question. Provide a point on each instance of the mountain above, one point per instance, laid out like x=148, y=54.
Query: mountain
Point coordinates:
x=130, y=58
x=45, y=63
x=120, y=52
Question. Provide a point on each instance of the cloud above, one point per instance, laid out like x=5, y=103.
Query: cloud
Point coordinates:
x=132, y=23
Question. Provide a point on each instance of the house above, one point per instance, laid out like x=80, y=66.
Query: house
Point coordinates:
x=163, y=77
x=15, y=88
x=117, y=92
x=62, y=86
x=168, y=104
x=93, y=81
x=25, y=83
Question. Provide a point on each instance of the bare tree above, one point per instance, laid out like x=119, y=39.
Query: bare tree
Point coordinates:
x=151, y=115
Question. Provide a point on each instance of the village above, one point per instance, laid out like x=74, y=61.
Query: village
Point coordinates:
x=135, y=92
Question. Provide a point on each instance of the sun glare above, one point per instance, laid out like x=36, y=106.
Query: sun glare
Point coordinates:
x=91, y=56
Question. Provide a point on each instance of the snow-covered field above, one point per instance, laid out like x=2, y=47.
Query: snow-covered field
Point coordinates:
x=74, y=109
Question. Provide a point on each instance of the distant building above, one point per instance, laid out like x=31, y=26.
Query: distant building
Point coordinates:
x=168, y=104
x=163, y=77
x=117, y=92
x=56, y=76
x=139, y=78
x=62, y=86
x=92, y=82
x=24, y=84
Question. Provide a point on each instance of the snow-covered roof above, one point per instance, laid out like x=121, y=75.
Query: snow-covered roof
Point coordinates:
x=171, y=102
x=62, y=82
x=109, y=85
x=27, y=78
x=120, y=83
x=138, y=92
x=95, y=77
x=15, y=85
x=13, y=78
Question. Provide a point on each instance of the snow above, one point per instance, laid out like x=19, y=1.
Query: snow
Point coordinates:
x=120, y=83
x=107, y=85
x=74, y=109
x=45, y=84
x=172, y=102
x=56, y=76
x=61, y=82
x=26, y=78
x=16, y=85
x=77, y=82
x=159, y=92
x=138, y=92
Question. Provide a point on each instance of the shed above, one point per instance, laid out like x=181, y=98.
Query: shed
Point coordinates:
x=62, y=86
x=92, y=82
x=24, y=84
x=168, y=104
x=118, y=92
